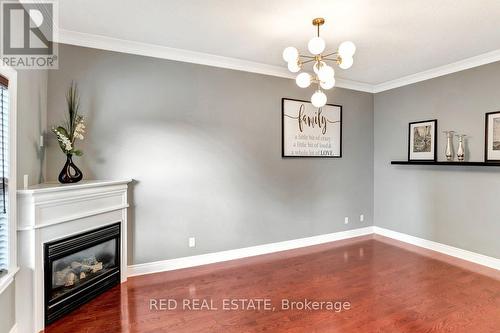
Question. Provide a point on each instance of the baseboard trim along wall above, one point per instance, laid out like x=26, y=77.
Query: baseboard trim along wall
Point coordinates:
x=210, y=258
x=439, y=247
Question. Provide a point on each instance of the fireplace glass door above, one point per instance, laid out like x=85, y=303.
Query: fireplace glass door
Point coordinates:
x=80, y=267
x=71, y=271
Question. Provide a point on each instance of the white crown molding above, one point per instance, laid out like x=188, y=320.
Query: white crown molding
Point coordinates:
x=458, y=66
x=210, y=258
x=439, y=247
x=163, y=52
x=353, y=85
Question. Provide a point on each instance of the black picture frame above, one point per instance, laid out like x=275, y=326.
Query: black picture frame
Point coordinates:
x=435, y=141
x=486, y=133
x=283, y=130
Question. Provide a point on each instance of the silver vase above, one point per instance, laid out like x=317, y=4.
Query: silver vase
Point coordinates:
x=461, y=148
x=449, y=145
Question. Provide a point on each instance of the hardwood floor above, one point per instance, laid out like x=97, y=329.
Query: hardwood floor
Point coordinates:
x=391, y=287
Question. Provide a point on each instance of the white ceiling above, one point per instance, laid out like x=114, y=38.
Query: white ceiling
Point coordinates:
x=394, y=38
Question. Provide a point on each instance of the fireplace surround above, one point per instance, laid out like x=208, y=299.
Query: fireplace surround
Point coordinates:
x=79, y=268
x=53, y=218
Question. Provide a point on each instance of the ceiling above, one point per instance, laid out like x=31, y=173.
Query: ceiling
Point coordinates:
x=394, y=38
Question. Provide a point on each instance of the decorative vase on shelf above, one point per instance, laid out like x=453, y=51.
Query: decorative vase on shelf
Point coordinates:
x=461, y=148
x=70, y=172
x=449, y=145
x=72, y=129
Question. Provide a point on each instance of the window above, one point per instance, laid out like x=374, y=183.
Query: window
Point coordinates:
x=4, y=174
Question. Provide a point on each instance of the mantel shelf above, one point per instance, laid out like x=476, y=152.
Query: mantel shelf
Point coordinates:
x=454, y=163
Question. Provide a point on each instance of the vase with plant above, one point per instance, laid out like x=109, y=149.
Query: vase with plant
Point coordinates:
x=73, y=128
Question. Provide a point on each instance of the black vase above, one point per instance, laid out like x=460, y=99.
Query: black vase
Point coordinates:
x=70, y=173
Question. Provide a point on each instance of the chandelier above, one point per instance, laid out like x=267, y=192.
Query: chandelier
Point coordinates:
x=324, y=75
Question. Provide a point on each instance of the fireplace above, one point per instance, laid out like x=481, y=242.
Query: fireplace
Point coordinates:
x=78, y=268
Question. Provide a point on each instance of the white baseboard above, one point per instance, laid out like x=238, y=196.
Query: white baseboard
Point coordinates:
x=442, y=248
x=13, y=329
x=210, y=258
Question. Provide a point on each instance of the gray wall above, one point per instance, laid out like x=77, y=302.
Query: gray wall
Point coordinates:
x=31, y=123
x=203, y=145
x=452, y=205
x=7, y=309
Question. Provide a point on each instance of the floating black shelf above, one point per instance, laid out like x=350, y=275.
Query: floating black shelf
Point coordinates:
x=489, y=164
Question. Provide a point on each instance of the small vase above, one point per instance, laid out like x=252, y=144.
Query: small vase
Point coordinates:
x=461, y=148
x=70, y=173
x=449, y=145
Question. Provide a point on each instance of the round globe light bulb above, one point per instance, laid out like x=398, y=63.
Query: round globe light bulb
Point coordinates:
x=318, y=99
x=347, y=49
x=328, y=84
x=318, y=65
x=316, y=45
x=346, y=62
x=293, y=66
x=303, y=80
x=325, y=73
x=290, y=54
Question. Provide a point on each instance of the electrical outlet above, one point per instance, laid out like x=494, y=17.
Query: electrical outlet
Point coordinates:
x=346, y=220
x=361, y=218
x=192, y=241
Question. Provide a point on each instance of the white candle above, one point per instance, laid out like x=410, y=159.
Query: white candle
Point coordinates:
x=25, y=182
x=41, y=140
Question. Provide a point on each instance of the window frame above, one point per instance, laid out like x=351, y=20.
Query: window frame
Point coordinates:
x=11, y=75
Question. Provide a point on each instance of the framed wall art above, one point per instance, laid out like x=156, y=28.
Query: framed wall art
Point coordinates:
x=492, y=137
x=308, y=131
x=422, y=141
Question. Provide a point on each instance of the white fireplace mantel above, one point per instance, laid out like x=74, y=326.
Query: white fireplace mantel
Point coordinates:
x=52, y=211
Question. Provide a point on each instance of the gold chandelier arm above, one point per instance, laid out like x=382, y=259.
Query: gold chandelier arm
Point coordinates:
x=337, y=60
x=330, y=54
x=307, y=61
x=306, y=56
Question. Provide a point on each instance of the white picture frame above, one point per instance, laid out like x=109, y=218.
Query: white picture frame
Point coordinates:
x=308, y=131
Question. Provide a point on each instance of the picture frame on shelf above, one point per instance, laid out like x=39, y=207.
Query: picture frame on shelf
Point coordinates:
x=422, y=140
x=492, y=137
